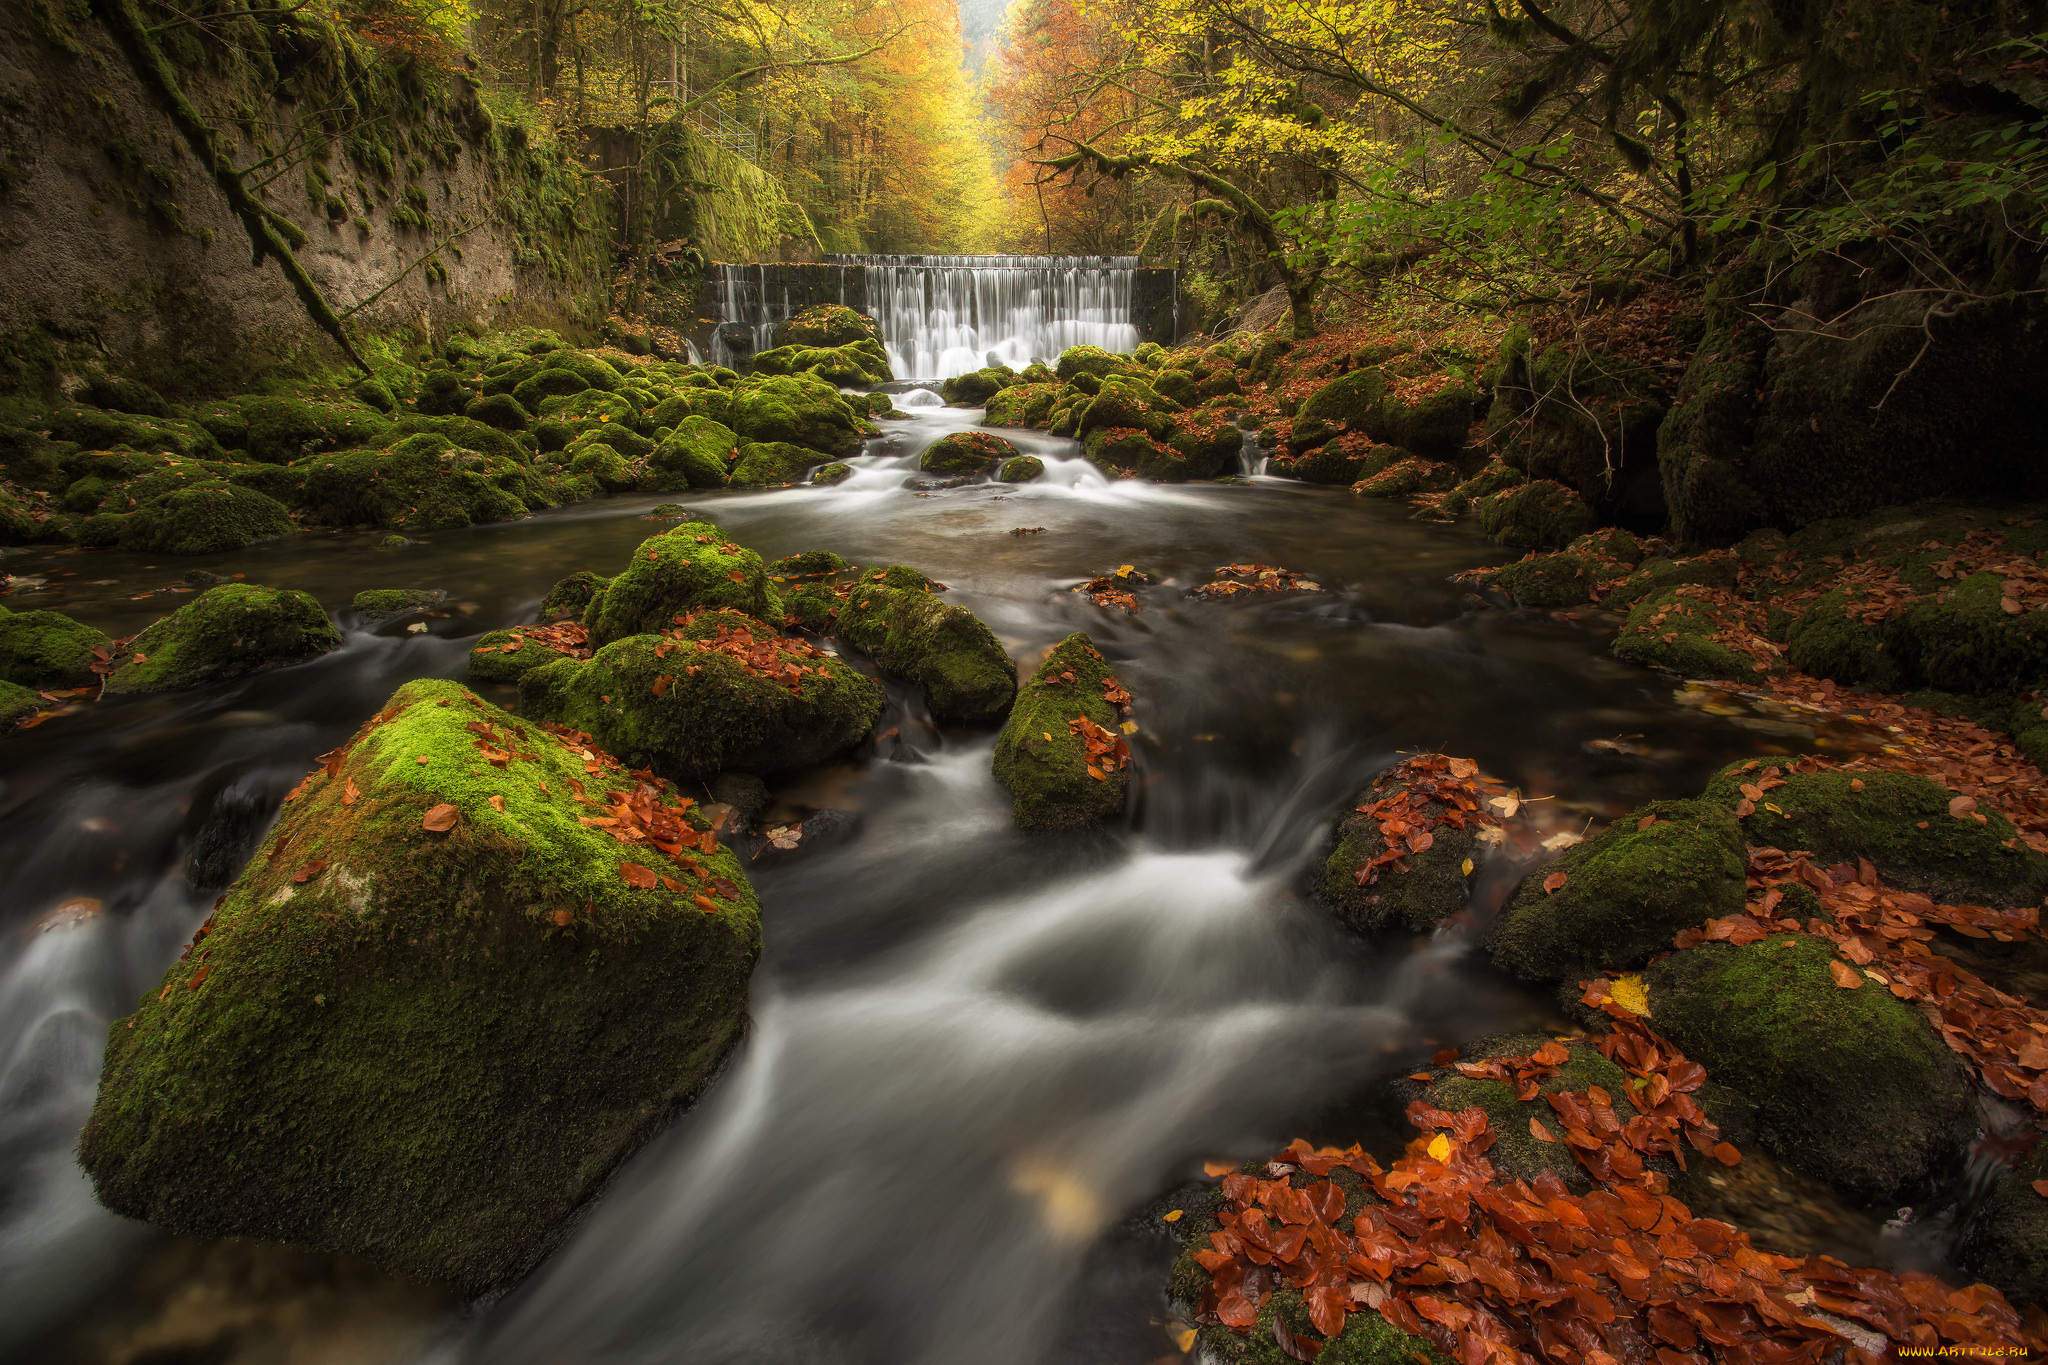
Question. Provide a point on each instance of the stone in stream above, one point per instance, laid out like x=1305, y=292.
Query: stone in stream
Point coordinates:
x=1852, y=1087
x=381, y=604
x=17, y=703
x=855, y=363
x=799, y=409
x=965, y=452
x=893, y=618
x=769, y=464
x=47, y=649
x=1021, y=469
x=437, y=1010
x=1431, y=890
x=1539, y=515
x=1676, y=629
x=1021, y=405
x=827, y=475
x=1061, y=754
x=697, y=453
x=690, y=567
x=722, y=690
x=975, y=388
x=423, y=483
x=2006, y=1242
x=1627, y=893
x=572, y=595
x=212, y=516
x=224, y=632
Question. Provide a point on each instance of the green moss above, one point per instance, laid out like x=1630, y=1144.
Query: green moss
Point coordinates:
x=857, y=362
x=1432, y=888
x=548, y=383
x=696, y=454
x=1830, y=640
x=205, y=518
x=800, y=409
x=813, y=608
x=1674, y=630
x=1628, y=892
x=1367, y=1338
x=378, y=604
x=423, y=483
x=1125, y=402
x=282, y=430
x=691, y=567
x=1852, y=1087
x=965, y=452
x=1657, y=573
x=571, y=595
x=468, y=434
x=1092, y=360
x=433, y=1049
x=601, y=462
x=2006, y=1245
x=712, y=713
x=1963, y=640
x=1953, y=859
x=1021, y=405
x=224, y=632
x=827, y=475
x=96, y=430
x=1406, y=477
x=975, y=388
x=499, y=410
x=17, y=703
x=1351, y=402
x=1021, y=469
x=771, y=464
x=47, y=649
x=1545, y=581
x=1516, y=1153
x=491, y=662
x=1541, y=514
x=910, y=634
x=1043, y=763
x=826, y=324
x=714, y=404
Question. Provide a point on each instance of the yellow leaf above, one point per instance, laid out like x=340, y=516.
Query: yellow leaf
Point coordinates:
x=1125, y=571
x=1440, y=1148
x=1174, y=1216
x=1047, y=734
x=1185, y=1339
x=1466, y=867
x=1130, y=727
x=1772, y=807
x=1632, y=994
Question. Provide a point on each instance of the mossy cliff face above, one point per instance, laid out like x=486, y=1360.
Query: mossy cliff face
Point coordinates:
x=691, y=567
x=723, y=691
x=910, y=634
x=1852, y=1087
x=47, y=649
x=224, y=632
x=1628, y=890
x=428, y=1048
x=1043, y=758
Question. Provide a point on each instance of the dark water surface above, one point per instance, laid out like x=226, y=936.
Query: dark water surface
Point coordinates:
x=976, y=1055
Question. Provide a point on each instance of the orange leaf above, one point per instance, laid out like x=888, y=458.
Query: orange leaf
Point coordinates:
x=1554, y=883
x=737, y=576
x=563, y=919
x=441, y=818
x=349, y=794
x=1462, y=768
x=1097, y=773
x=498, y=804
x=707, y=905
x=1726, y=1154
x=636, y=875
x=1847, y=977
x=1539, y=1132
x=310, y=871
x=1216, y=1169
x=1962, y=806
x=2041, y=1188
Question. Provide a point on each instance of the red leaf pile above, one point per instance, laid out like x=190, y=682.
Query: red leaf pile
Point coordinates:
x=1423, y=794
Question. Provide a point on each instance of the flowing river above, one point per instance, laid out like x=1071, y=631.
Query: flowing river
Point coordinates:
x=981, y=1062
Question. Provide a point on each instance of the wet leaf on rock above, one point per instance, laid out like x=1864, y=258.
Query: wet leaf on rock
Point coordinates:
x=440, y=819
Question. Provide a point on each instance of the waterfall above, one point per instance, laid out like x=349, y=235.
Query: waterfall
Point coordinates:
x=941, y=315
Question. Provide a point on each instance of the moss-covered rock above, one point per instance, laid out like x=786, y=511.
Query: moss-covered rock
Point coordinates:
x=807, y=564
x=549, y=383
x=1538, y=515
x=2006, y=1244
x=910, y=634
x=1628, y=891
x=1852, y=1087
x=965, y=452
x=694, y=401
x=209, y=517
x=826, y=475
x=813, y=607
x=1902, y=824
x=1350, y=402
x=1517, y=1153
x=691, y=567
x=468, y=434
x=1045, y=763
x=282, y=430
x=771, y=464
x=224, y=632
x=1405, y=477
x=1093, y=361
x=1830, y=639
x=1658, y=572
x=499, y=410
x=506, y=656
x=697, y=453
x=428, y=1048
x=826, y=324
x=1021, y=405
x=1675, y=629
x=975, y=388
x=1545, y=581
x=97, y=430
x=1432, y=889
x=1964, y=640
x=17, y=703
x=1020, y=469
x=857, y=362
x=423, y=483
x=571, y=595
x=381, y=604
x=693, y=709
x=601, y=463
x=800, y=409
x=47, y=649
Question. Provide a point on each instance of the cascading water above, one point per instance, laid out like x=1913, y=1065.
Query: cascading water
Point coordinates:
x=946, y=315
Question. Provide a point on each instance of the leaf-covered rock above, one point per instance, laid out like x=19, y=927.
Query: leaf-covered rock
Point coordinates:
x=690, y=567
x=1061, y=754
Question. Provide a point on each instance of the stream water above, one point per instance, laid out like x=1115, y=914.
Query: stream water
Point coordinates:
x=978, y=1058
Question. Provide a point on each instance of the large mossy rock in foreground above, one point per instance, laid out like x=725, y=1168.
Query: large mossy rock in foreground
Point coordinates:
x=964, y=670
x=427, y=1048
x=1852, y=1087
x=723, y=691
x=1627, y=893
x=225, y=632
x=1042, y=755
x=41, y=649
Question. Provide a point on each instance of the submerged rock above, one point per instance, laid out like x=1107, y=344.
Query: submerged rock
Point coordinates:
x=427, y=1023
x=1060, y=753
x=1627, y=892
x=1852, y=1087
x=47, y=649
x=223, y=633
x=721, y=691
x=964, y=670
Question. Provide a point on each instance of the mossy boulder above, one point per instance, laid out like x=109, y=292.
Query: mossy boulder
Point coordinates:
x=549, y=383
x=965, y=452
x=47, y=649
x=1093, y=361
x=826, y=324
x=697, y=453
x=975, y=388
x=910, y=634
x=693, y=709
x=17, y=703
x=1538, y=515
x=771, y=464
x=506, y=656
x=381, y=604
x=1656, y=573
x=1964, y=640
x=500, y=410
x=857, y=362
x=282, y=430
x=808, y=564
x=1628, y=891
x=224, y=632
x=1405, y=477
x=691, y=567
x=1517, y=1153
x=571, y=595
x=424, y=483
x=601, y=464
x=97, y=430
x=802, y=410
x=2006, y=1243
x=1020, y=469
x=1125, y=402
x=1830, y=639
x=1021, y=405
x=467, y=433
x=1043, y=762
x=1432, y=888
x=1851, y=1087
x=208, y=517
x=429, y=1048
x=1676, y=629
x=1350, y=402
x=826, y=475
x=1545, y=581
x=1900, y=822
x=693, y=401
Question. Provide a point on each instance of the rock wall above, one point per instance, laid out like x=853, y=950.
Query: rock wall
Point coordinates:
x=123, y=252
